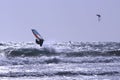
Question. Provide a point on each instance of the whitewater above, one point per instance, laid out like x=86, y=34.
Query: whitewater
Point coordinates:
x=60, y=61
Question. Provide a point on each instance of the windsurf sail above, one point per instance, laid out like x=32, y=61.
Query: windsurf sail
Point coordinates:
x=39, y=39
x=99, y=17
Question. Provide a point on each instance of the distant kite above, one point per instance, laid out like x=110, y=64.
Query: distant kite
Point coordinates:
x=99, y=17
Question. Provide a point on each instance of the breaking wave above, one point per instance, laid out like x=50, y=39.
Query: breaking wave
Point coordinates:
x=61, y=73
x=59, y=59
x=32, y=52
x=67, y=49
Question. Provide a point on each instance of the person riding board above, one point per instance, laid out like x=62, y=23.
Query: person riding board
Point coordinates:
x=39, y=40
x=99, y=17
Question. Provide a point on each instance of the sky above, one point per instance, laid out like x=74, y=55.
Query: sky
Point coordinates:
x=60, y=20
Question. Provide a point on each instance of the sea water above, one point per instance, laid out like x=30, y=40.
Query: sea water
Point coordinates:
x=60, y=61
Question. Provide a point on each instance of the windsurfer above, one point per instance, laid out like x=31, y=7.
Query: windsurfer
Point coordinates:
x=40, y=41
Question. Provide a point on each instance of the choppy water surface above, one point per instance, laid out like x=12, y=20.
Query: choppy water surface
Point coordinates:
x=60, y=61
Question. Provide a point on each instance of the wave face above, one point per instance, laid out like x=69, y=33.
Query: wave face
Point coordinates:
x=60, y=59
x=75, y=49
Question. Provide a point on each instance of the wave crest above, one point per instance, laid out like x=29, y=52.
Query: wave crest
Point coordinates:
x=31, y=52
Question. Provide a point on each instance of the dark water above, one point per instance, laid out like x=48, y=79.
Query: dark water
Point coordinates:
x=60, y=61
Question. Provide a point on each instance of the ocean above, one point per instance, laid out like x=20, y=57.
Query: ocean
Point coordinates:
x=60, y=61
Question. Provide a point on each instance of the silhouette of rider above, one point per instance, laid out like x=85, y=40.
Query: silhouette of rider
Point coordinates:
x=39, y=41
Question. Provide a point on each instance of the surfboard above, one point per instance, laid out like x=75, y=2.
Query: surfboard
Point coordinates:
x=39, y=38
